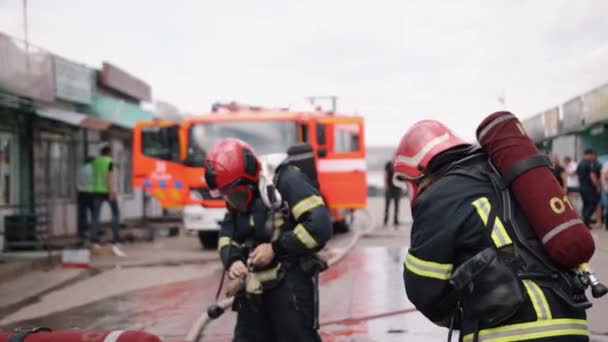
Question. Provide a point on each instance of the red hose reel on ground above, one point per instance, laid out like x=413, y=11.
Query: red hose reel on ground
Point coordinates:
x=45, y=335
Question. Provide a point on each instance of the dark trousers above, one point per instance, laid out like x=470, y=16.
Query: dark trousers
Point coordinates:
x=590, y=201
x=85, y=206
x=98, y=200
x=287, y=313
x=393, y=196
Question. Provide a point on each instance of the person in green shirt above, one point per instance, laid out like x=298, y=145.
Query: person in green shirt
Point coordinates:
x=84, y=182
x=103, y=189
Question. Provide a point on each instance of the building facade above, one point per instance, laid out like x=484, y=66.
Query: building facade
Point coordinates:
x=54, y=113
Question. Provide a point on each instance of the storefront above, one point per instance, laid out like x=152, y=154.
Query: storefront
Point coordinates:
x=15, y=159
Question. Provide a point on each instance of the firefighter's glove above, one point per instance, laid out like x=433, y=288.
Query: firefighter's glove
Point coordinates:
x=237, y=270
x=235, y=286
x=253, y=285
x=262, y=255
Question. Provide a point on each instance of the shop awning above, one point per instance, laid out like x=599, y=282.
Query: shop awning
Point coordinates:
x=73, y=118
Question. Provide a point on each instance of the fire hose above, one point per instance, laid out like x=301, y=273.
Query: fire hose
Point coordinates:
x=217, y=309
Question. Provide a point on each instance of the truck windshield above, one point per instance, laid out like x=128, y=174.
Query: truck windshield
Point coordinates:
x=263, y=136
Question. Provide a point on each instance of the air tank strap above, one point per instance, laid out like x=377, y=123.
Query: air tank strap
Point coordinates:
x=20, y=334
x=523, y=166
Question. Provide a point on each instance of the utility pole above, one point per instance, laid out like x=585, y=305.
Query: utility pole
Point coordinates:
x=26, y=35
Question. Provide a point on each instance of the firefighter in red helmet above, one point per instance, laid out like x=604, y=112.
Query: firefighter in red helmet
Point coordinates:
x=276, y=246
x=475, y=264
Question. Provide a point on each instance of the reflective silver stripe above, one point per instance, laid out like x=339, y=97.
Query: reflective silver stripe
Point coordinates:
x=533, y=330
x=499, y=234
x=483, y=207
x=304, y=236
x=560, y=228
x=428, y=269
x=113, y=336
x=491, y=125
x=417, y=158
x=539, y=301
x=225, y=241
x=268, y=275
x=305, y=205
x=306, y=155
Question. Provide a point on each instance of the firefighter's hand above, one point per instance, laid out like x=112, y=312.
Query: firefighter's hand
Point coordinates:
x=237, y=270
x=262, y=255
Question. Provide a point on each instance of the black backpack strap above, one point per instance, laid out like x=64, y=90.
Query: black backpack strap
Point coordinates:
x=523, y=166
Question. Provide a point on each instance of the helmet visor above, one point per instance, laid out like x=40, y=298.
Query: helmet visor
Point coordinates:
x=403, y=182
x=238, y=197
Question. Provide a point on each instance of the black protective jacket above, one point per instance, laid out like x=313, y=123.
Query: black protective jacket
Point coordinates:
x=305, y=224
x=456, y=218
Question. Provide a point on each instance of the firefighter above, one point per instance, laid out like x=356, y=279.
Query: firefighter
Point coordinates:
x=276, y=247
x=467, y=267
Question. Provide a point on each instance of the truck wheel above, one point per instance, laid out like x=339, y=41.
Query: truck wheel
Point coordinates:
x=341, y=227
x=208, y=239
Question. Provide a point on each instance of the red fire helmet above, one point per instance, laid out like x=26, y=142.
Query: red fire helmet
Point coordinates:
x=419, y=145
x=233, y=169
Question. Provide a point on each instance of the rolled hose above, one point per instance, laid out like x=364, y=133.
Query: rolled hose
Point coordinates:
x=216, y=310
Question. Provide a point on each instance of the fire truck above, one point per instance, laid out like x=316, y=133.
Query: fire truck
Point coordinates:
x=168, y=158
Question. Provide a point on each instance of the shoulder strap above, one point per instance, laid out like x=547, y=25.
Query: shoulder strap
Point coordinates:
x=523, y=166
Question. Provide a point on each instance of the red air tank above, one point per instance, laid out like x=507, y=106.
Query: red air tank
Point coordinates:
x=85, y=336
x=565, y=237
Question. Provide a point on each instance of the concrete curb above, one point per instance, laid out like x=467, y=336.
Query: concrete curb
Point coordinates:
x=6, y=310
x=156, y=263
x=9, y=272
x=95, y=270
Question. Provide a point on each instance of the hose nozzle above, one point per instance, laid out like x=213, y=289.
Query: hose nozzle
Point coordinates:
x=598, y=289
x=214, y=311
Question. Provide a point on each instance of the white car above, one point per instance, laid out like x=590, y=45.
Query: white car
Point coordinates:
x=205, y=222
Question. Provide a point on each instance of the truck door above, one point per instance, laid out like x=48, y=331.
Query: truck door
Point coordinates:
x=157, y=167
x=340, y=148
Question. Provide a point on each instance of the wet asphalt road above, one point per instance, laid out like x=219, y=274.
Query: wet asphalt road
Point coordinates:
x=362, y=299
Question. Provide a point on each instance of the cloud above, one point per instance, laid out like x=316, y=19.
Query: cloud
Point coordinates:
x=393, y=61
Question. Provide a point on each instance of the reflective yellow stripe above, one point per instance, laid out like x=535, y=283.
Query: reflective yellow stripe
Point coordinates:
x=305, y=205
x=539, y=301
x=251, y=222
x=225, y=241
x=499, y=234
x=304, y=236
x=269, y=274
x=428, y=269
x=533, y=330
x=483, y=207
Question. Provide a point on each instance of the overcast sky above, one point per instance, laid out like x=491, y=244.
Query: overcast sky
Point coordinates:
x=395, y=62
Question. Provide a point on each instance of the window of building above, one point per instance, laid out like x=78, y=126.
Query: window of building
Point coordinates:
x=124, y=166
x=8, y=168
x=55, y=165
x=346, y=138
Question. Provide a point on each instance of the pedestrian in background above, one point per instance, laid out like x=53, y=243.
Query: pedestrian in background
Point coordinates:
x=560, y=173
x=104, y=190
x=604, y=197
x=84, y=183
x=588, y=171
x=391, y=194
x=572, y=183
